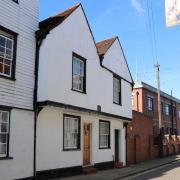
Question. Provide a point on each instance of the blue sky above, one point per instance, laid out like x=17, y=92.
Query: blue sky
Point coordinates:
x=135, y=22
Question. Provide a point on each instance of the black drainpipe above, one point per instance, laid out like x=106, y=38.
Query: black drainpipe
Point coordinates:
x=40, y=35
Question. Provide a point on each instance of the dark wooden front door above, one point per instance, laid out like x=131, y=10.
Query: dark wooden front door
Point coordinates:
x=116, y=145
x=87, y=143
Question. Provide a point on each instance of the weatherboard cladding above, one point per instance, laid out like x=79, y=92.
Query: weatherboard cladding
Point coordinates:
x=19, y=92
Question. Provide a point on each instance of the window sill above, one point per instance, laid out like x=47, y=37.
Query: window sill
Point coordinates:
x=6, y=158
x=117, y=104
x=105, y=148
x=78, y=91
x=9, y=78
x=71, y=149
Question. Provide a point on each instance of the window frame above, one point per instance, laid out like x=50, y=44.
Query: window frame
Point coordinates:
x=79, y=134
x=179, y=113
x=115, y=76
x=152, y=101
x=84, y=79
x=6, y=156
x=109, y=138
x=169, y=109
x=16, y=1
x=13, y=66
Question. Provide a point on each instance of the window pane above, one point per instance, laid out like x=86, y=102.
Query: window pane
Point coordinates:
x=2, y=148
x=3, y=138
x=3, y=127
x=2, y=51
x=4, y=116
x=2, y=41
x=9, y=44
x=6, y=69
x=8, y=54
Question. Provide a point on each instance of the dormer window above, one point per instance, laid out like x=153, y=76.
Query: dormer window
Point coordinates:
x=79, y=73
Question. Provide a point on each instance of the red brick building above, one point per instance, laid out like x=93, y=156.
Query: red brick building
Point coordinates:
x=145, y=101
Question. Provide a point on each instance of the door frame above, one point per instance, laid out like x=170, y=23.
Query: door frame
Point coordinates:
x=90, y=144
x=117, y=159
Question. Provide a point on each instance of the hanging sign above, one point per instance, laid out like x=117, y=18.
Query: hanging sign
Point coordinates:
x=172, y=12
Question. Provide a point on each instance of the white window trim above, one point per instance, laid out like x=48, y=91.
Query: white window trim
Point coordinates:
x=82, y=76
x=78, y=133
x=7, y=134
x=5, y=58
x=108, y=134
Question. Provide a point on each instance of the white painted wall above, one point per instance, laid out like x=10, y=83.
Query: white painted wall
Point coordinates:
x=55, y=70
x=114, y=60
x=50, y=154
x=20, y=146
x=21, y=18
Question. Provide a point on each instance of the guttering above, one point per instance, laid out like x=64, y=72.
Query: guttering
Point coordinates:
x=77, y=108
x=40, y=35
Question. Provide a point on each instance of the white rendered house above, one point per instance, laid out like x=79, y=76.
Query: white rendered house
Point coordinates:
x=18, y=24
x=83, y=97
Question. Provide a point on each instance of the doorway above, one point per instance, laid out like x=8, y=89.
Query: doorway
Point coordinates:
x=117, y=145
x=87, y=144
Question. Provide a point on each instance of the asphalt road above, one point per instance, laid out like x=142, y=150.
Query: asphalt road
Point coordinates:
x=168, y=172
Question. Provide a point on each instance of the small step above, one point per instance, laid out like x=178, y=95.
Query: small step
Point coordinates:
x=89, y=170
x=118, y=165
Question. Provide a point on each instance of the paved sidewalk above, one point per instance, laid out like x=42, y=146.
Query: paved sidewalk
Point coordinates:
x=115, y=174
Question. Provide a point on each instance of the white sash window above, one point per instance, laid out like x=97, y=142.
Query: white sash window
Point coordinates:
x=71, y=132
x=79, y=79
x=4, y=133
x=104, y=134
x=116, y=91
x=6, y=54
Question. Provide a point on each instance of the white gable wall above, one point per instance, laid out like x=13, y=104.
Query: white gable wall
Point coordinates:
x=115, y=61
x=55, y=69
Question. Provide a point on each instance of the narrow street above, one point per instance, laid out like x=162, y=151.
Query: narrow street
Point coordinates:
x=167, y=172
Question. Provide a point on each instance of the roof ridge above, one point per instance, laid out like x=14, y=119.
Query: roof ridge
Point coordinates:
x=104, y=45
x=69, y=9
x=113, y=38
x=52, y=21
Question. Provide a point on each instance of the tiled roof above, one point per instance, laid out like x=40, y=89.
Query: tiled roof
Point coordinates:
x=51, y=22
x=103, y=46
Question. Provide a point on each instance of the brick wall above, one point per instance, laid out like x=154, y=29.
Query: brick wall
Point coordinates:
x=140, y=104
x=140, y=138
x=140, y=145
